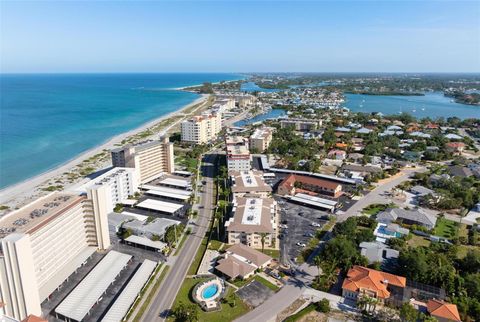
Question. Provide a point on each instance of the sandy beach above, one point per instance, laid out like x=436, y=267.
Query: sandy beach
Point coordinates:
x=21, y=193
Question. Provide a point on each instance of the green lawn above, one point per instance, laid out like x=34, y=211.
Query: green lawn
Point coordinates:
x=215, y=244
x=446, y=228
x=198, y=257
x=274, y=253
x=418, y=241
x=228, y=311
x=266, y=283
x=374, y=209
x=151, y=291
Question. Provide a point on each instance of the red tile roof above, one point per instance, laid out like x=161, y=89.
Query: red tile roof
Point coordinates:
x=292, y=178
x=33, y=318
x=360, y=277
x=443, y=309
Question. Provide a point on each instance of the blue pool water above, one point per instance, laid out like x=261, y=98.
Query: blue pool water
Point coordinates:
x=382, y=230
x=210, y=291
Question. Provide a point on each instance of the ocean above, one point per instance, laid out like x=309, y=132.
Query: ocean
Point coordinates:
x=48, y=119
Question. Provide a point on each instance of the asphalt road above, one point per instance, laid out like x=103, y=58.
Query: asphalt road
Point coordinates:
x=165, y=296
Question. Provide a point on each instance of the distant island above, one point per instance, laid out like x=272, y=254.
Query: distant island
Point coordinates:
x=464, y=98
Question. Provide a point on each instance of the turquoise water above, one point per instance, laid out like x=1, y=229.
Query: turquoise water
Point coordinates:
x=48, y=119
x=209, y=291
x=273, y=113
x=252, y=87
x=431, y=105
x=382, y=230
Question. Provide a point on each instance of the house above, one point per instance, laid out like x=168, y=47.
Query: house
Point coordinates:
x=365, y=281
x=421, y=191
x=460, y=171
x=242, y=261
x=364, y=130
x=455, y=147
x=453, y=136
x=358, y=144
x=297, y=183
x=337, y=154
x=379, y=252
x=409, y=217
x=443, y=311
x=355, y=156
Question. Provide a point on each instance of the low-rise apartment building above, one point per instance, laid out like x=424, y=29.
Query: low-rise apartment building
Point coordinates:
x=295, y=183
x=150, y=159
x=44, y=243
x=201, y=129
x=261, y=139
x=248, y=182
x=254, y=220
x=301, y=124
x=238, y=154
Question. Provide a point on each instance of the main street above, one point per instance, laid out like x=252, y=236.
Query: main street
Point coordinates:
x=179, y=265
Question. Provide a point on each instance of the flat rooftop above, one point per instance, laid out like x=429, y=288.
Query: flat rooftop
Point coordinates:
x=81, y=300
x=162, y=206
x=175, y=182
x=261, y=133
x=36, y=214
x=237, y=150
x=126, y=299
x=235, y=140
x=252, y=214
x=248, y=181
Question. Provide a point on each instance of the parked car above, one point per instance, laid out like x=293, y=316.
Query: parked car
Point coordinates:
x=314, y=224
x=301, y=244
x=308, y=235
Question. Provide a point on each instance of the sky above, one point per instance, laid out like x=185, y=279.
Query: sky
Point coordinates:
x=239, y=36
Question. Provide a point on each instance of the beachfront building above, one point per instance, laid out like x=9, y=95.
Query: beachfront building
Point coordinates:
x=150, y=159
x=112, y=188
x=253, y=219
x=44, y=243
x=301, y=124
x=248, y=182
x=201, y=129
x=222, y=105
x=238, y=154
x=261, y=139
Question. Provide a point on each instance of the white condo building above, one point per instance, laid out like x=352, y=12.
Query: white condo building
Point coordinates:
x=42, y=244
x=202, y=128
x=261, y=139
x=238, y=154
x=150, y=159
x=252, y=217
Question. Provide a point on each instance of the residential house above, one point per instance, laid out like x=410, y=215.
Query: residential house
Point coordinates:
x=241, y=261
x=409, y=217
x=369, y=282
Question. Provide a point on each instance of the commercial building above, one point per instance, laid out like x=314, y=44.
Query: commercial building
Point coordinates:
x=150, y=159
x=365, y=281
x=43, y=243
x=301, y=124
x=201, y=129
x=248, y=182
x=251, y=218
x=261, y=138
x=238, y=154
x=242, y=261
x=297, y=183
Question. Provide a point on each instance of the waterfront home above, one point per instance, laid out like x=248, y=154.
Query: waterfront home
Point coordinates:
x=453, y=136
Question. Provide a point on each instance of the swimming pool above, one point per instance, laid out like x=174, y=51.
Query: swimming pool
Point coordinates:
x=382, y=230
x=209, y=291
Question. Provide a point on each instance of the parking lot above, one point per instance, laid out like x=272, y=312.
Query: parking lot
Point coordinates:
x=254, y=293
x=300, y=221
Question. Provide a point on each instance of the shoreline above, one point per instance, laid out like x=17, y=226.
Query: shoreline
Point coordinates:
x=29, y=187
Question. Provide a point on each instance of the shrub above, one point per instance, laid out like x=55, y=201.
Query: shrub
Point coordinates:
x=323, y=306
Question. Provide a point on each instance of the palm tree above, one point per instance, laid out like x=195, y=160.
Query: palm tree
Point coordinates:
x=262, y=240
x=318, y=262
x=218, y=218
